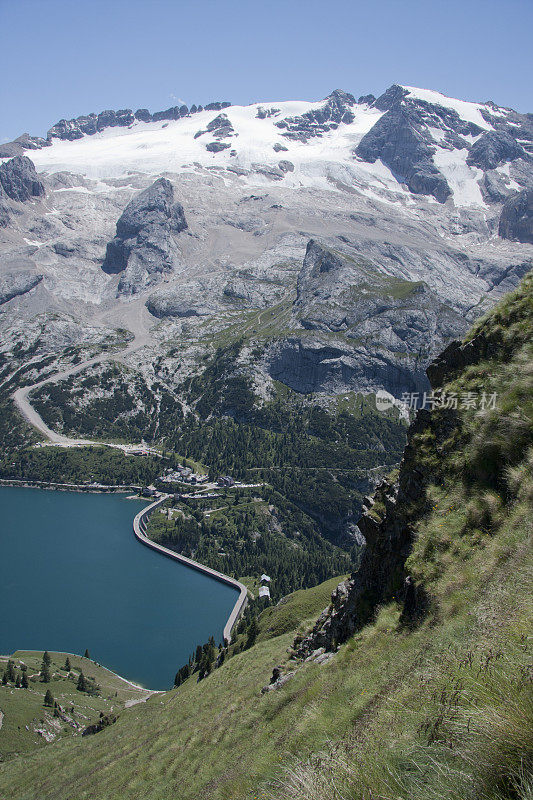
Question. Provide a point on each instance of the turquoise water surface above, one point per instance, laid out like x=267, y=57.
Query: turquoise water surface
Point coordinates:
x=73, y=576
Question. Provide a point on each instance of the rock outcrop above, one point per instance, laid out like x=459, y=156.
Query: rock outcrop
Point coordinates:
x=400, y=144
x=14, y=284
x=88, y=125
x=363, y=328
x=386, y=526
x=21, y=144
x=494, y=148
x=516, y=219
x=336, y=109
x=220, y=128
x=143, y=247
x=19, y=180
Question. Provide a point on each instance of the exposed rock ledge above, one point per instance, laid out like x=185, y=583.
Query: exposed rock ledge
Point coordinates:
x=13, y=284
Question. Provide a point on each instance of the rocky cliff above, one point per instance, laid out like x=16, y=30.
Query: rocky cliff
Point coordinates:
x=386, y=528
x=466, y=457
x=516, y=220
x=143, y=247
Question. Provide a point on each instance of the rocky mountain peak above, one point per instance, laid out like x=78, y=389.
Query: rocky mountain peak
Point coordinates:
x=19, y=180
x=336, y=109
x=143, y=247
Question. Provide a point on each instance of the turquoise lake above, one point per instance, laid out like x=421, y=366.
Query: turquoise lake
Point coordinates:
x=73, y=576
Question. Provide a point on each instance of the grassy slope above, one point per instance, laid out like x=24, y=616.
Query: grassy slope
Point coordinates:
x=444, y=710
x=24, y=707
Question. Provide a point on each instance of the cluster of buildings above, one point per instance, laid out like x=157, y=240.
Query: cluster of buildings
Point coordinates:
x=183, y=475
x=264, y=589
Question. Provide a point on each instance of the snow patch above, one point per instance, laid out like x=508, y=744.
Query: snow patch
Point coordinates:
x=471, y=112
x=462, y=179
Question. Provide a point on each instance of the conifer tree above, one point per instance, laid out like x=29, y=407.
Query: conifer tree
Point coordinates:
x=24, y=681
x=253, y=630
x=48, y=699
x=81, y=686
x=46, y=658
x=67, y=664
x=86, y=654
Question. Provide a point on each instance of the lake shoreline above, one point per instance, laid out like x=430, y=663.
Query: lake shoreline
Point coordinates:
x=100, y=488
x=102, y=551
x=139, y=529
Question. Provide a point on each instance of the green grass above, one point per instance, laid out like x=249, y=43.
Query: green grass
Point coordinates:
x=295, y=610
x=24, y=712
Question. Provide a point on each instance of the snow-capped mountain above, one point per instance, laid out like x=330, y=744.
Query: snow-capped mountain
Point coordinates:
x=370, y=230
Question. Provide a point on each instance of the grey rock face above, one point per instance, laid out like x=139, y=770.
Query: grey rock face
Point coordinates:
x=176, y=112
x=275, y=173
x=90, y=124
x=404, y=139
x=494, y=187
x=516, y=220
x=217, y=106
x=19, y=180
x=143, y=246
x=366, y=329
x=266, y=113
x=21, y=144
x=143, y=115
x=112, y=119
x=397, y=141
x=308, y=364
x=13, y=284
x=286, y=166
x=492, y=149
x=191, y=299
x=336, y=109
x=93, y=123
x=278, y=148
x=216, y=147
x=220, y=128
x=388, y=537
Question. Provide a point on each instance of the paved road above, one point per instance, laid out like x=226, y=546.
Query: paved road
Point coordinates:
x=139, y=528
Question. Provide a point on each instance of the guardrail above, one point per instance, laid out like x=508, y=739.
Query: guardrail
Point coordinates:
x=139, y=529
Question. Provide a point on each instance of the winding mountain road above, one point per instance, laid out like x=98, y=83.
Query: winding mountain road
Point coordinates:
x=135, y=318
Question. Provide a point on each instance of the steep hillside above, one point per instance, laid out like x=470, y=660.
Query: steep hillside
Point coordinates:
x=417, y=689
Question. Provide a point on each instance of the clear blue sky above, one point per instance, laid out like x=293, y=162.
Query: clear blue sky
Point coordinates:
x=63, y=58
